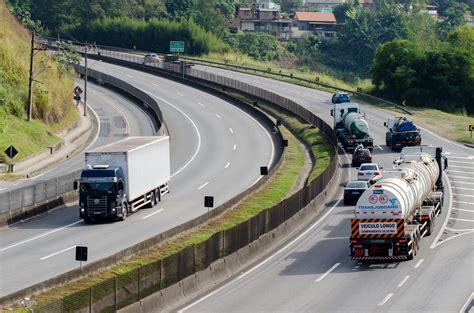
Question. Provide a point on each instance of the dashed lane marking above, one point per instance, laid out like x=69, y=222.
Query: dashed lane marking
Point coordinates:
x=419, y=263
x=203, y=185
x=231, y=130
x=235, y=147
x=218, y=116
x=327, y=273
x=151, y=214
x=201, y=104
x=404, y=280
x=227, y=165
x=385, y=299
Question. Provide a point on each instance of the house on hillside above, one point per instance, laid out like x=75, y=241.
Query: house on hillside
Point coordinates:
x=322, y=24
x=256, y=19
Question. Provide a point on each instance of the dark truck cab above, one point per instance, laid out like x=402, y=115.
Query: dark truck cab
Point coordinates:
x=101, y=193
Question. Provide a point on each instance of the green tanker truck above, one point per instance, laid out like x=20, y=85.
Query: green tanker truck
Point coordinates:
x=351, y=127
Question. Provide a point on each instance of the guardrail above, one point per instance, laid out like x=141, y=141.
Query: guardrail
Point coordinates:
x=124, y=289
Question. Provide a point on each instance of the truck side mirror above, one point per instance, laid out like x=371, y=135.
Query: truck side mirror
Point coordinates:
x=332, y=112
x=120, y=185
x=445, y=163
x=76, y=185
x=385, y=124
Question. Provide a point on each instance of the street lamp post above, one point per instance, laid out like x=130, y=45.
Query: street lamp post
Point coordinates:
x=30, y=82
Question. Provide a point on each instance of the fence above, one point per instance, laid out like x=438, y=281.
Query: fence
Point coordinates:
x=124, y=289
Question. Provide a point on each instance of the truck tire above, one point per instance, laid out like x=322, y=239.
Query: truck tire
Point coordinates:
x=87, y=220
x=152, y=199
x=124, y=212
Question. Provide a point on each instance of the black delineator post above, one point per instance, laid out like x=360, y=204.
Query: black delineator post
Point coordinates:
x=30, y=82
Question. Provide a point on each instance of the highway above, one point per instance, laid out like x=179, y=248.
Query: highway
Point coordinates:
x=314, y=272
x=216, y=149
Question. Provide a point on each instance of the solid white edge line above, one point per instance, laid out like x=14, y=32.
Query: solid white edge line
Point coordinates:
x=264, y=261
x=2, y=189
x=327, y=273
x=419, y=263
x=195, y=128
x=151, y=214
x=56, y=253
x=440, y=233
x=39, y=236
x=465, y=232
x=464, y=307
x=203, y=185
x=404, y=280
x=227, y=165
x=385, y=299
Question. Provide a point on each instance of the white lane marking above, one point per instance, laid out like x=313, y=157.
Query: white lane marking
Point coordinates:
x=180, y=94
x=463, y=177
x=468, y=301
x=203, y=185
x=455, y=230
x=462, y=219
x=419, y=263
x=235, y=147
x=56, y=253
x=385, y=299
x=463, y=210
x=3, y=188
x=450, y=207
x=251, y=270
x=231, y=130
x=470, y=157
x=195, y=128
x=463, y=188
x=454, y=161
x=380, y=147
x=156, y=85
x=463, y=202
x=327, y=273
x=404, y=280
x=227, y=165
x=201, y=104
x=457, y=182
x=461, y=195
x=151, y=214
x=39, y=236
x=218, y=116
x=128, y=75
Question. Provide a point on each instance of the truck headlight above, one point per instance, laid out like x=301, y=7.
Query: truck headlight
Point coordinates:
x=82, y=210
x=113, y=210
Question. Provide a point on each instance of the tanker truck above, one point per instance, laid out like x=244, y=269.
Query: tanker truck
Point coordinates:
x=351, y=127
x=395, y=213
x=123, y=176
x=401, y=133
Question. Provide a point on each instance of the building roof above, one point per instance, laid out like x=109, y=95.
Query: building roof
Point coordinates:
x=326, y=17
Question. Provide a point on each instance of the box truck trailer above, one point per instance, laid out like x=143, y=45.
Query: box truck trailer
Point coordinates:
x=124, y=176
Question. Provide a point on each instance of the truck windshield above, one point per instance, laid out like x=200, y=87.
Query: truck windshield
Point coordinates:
x=98, y=187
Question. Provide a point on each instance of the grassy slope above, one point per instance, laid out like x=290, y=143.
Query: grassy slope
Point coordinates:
x=453, y=126
x=29, y=138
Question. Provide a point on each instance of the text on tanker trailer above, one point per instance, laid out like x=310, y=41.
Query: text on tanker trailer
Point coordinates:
x=393, y=215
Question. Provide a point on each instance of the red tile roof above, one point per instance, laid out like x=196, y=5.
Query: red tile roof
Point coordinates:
x=326, y=17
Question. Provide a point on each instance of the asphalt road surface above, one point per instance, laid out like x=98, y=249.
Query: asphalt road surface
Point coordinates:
x=314, y=272
x=216, y=149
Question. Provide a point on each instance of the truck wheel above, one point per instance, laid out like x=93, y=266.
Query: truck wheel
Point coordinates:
x=124, y=212
x=152, y=199
x=87, y=220
x=430, y=228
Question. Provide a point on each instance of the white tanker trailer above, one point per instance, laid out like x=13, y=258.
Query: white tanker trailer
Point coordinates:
x=394, y=214
x=350, y=126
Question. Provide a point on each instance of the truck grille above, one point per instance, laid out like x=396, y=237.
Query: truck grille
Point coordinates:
x=97, y=204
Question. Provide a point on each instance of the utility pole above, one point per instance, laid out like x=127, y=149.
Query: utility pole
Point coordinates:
x=30, y=83
x=85, y=83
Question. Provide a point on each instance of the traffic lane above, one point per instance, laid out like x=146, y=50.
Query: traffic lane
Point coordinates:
x=165, y=216
x=442, y=284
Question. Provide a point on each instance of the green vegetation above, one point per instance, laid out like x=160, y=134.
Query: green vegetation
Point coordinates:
x=273, y=191
x=52, y=107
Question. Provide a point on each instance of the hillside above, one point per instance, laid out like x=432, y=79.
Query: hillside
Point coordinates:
x=52, y=105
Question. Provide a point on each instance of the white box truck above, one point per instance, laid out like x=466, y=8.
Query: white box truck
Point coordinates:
x=124, y=176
